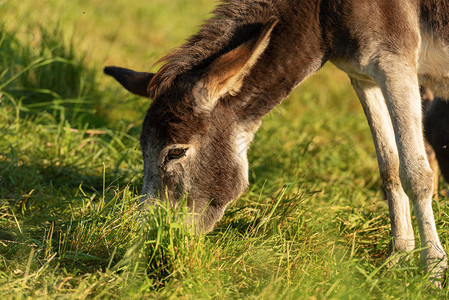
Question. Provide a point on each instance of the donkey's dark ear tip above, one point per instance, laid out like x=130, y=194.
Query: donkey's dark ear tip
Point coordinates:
x=109, y=70
x=135, y=82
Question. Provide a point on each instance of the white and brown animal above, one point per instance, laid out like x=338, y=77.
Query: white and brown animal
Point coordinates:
x=212, y=92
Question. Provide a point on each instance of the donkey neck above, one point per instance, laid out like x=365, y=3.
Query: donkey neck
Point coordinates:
x=295, y=52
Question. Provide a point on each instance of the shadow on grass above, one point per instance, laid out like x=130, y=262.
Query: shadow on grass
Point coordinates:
x=41, y=204
x=21, y=180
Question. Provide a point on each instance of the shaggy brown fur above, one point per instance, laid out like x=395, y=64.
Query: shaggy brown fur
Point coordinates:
x=233, y=23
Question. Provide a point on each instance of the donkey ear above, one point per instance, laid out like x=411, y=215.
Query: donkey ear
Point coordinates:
x=135, y=82
x=225, y=74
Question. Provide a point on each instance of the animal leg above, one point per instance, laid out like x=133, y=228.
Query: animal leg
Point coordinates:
x=426, y=99
x=399, y=83
x=373, y=103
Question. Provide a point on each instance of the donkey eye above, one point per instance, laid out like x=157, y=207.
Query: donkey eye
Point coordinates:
x=175, y=153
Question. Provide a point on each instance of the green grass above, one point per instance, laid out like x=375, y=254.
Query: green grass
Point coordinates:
x=313, y=224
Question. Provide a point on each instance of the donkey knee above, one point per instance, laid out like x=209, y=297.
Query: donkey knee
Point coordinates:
x=417, y=180
x=390, y=177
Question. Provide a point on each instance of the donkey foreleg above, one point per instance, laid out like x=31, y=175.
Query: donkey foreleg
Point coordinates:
x=373, y=103
x=399, y=84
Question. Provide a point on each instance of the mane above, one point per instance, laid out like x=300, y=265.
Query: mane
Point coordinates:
x=232, y=23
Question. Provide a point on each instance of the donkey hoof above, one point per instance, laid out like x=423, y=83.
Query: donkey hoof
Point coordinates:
x=436, y=268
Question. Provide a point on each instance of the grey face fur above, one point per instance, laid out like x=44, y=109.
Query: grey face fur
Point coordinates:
x=211, y=94
x=205, y=164
x=193, y=141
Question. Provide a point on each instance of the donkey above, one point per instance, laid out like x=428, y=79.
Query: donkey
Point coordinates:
x=210, y=95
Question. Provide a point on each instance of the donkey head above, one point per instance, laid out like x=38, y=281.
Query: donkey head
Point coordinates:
x=194, y=139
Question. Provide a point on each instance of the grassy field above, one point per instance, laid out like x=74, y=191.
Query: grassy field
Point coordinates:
x=312, y=225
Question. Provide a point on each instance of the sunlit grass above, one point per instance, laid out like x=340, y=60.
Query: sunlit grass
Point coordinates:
x=313, y=223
